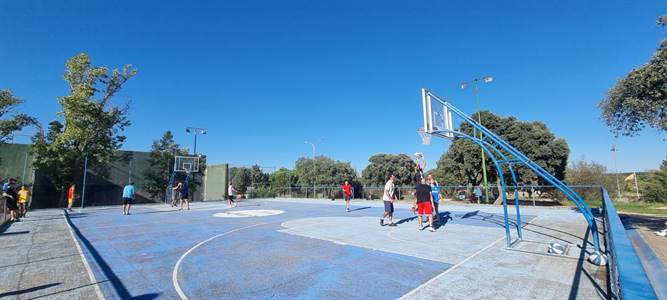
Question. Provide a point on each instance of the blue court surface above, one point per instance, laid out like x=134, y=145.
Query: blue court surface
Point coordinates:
x=271, y=249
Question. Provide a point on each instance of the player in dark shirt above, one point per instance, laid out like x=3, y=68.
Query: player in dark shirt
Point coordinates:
x=11, y=199
x=424, y=204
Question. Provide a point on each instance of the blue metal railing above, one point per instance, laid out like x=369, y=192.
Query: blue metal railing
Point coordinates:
x=628, y=279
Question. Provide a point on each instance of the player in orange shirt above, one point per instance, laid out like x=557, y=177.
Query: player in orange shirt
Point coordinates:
x=70, y=196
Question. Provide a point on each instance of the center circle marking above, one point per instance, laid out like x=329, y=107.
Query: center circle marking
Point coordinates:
x=248, y=213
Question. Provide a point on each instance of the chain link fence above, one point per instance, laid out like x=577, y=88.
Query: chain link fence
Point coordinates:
x=530, y=195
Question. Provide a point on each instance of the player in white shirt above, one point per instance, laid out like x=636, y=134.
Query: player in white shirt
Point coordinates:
x=388, y=198
x=231, y=192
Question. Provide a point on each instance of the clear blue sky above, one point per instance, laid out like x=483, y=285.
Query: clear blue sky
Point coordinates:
x=263, y=76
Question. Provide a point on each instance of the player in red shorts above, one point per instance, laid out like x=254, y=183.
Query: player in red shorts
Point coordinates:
x=347, y=192
x=424, y=204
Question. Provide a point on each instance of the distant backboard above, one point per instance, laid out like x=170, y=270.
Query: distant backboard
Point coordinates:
x=437, y=116
x=188, y=164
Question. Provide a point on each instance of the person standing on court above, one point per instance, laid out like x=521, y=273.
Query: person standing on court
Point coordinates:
x=424, y=204
x=71, y=193
x=175, y=194
x=388, y=199
x=347, y=193
x=435, y=190
x=185, y=195
x=128, y=197
x=478, y=193
x=24, y=195
x=11, y=199
x=231, y=193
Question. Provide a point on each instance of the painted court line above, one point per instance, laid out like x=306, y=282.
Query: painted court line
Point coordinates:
x=91, y=276
x=460, y=263
x=451, y=268
x=174, y=275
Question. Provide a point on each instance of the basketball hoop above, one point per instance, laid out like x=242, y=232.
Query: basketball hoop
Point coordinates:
x=426, y=137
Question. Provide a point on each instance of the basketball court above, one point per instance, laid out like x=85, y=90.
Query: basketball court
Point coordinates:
x=306, y=249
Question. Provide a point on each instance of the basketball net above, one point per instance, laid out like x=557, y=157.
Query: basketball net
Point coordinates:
x=426, y=137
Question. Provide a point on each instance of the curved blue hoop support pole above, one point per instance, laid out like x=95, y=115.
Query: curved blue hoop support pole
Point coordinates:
x=522, y=158
x=516, y=201
x=499, y=168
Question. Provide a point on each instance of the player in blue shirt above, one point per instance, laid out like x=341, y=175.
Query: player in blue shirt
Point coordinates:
x=128, y=197
x=435, y=190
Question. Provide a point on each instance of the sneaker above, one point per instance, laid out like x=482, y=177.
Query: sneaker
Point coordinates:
x=124, y=213
x=431, y=229
x=381, y=222
x=421, y=227
x=661, y=233
x=347, y=209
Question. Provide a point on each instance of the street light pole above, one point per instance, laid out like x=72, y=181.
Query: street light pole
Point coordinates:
x=618, y=186
x=314, y=169
x=486, y=79
x=83, y=188
x=196, y=131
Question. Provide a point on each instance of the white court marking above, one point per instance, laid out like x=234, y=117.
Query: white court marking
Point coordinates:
x=174, y=274
x=248, y=213
x=459, y=264
x=91, y=275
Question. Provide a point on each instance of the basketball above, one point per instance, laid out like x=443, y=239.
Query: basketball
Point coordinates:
x=598, y=258
x=556, y=248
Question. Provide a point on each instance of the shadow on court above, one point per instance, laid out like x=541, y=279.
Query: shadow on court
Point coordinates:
x=13, y=233
x=117, y=284
x=28, y=290
x=360, y=208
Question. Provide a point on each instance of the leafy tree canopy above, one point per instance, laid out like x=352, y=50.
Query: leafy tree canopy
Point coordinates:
x=11, y=122
x=654, y=188
x=92, y=125
x=581, y=172
x=161, y=161
x=283, y=178
x=381, y=166
x=325, y=172
x=639, y=99
x=461, y=164
x=241, y=179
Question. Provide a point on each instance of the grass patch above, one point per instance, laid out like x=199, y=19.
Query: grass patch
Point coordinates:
x=657, y=209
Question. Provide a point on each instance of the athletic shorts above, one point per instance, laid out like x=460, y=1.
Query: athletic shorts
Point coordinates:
x=424, y=208
x=388, y=206
x=230, y=198
x=11, y=204
x=347, y=197
x=127, y=200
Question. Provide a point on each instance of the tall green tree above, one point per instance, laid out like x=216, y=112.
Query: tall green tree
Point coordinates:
x=381, y=166
x=639, y=99
x=461, y=164
x=161, y=161
x=654, y=187
x=283, y=178
x=241, y=179
x=258, y=177
x=323, y=171
x=581, y=172
x=92, y=125
x=10, y=121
